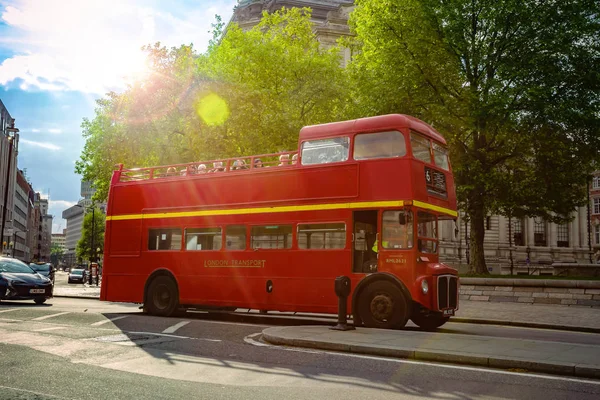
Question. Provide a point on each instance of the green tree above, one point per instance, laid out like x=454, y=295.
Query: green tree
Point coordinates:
x=250, y=93
x=57, y=250
x=84, y=249
x=514, y=85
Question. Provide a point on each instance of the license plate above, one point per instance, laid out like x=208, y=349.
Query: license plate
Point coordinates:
x=37, y=290
x=448, y=312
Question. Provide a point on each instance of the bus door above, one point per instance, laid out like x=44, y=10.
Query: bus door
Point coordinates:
x=397, y=237
x=364, y=252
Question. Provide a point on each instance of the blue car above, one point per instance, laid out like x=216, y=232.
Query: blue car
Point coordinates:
x=19, y=282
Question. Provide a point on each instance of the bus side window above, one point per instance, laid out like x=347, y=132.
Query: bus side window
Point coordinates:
x=322, y=236
x=324, y=151
x=271, y=237
x=164, y=239
x=203, y=239
x=235, y=237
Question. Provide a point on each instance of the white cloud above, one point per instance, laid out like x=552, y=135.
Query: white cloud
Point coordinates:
x=44, y=145
x=94, y=45
x=55, y=208
x=35, y=130
x=55, y=130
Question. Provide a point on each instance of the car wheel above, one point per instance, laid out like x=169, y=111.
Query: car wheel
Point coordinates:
x=430, y=321
x=382, y=305
x=162, y=297
x=39, y=300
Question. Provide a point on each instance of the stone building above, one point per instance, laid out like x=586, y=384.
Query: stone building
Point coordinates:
x=330, y=17
x=8, y=169
x=22, y=216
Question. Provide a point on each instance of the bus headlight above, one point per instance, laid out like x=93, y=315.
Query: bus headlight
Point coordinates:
x=424, y=286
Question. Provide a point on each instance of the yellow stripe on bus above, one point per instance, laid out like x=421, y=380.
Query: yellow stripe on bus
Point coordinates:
x=282, y=209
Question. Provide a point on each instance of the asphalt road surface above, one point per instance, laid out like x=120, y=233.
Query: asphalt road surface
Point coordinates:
x=86, y=349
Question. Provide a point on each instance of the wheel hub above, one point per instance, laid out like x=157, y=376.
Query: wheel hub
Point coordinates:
x=382, y=307
x=162, y=297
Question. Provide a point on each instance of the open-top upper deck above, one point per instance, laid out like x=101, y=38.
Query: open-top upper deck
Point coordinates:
x=286, y=159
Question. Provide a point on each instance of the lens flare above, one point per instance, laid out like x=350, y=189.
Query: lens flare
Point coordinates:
x=212, y=109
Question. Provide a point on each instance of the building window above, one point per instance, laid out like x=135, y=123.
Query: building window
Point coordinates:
x=325, y=151
x=203, y=239
x=596, y=182
x=597, y=233
x=164, y=239
x=235, y=237
x=517, y=232
x=562, y=235
x=322, y=236
x=597, y=205
x=271, y=237
x=539, y=232
x=379, y=145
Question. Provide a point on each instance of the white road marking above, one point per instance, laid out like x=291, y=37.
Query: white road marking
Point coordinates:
x=174, y=328
x=10, y=320
x=249, y=339
x=106, y=321
x=173, y=336
x=32, y=392
x=51, y=316
x=11, y=309
x=52, y=328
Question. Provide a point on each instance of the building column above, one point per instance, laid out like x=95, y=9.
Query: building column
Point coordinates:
x=529, y=232
x=551, y=229
x=574, y=231
x=502, y=235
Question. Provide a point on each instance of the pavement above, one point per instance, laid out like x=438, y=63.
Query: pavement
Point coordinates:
x=562, y=358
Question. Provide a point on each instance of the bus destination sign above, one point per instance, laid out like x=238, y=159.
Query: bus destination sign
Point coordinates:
x=436, y=182
x=234, y=263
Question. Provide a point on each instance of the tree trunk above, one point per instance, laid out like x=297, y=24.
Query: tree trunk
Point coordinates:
x=477, y=218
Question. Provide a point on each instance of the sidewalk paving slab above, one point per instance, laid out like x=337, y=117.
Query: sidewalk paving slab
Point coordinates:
x=532, y=355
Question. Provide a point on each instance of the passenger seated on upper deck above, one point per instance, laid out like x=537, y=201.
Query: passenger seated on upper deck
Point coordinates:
x=295, y=159
x=193, y=170
x=201, y=168
x=171, y=171
x=284, y=159
x=218, y=167
x=258, y=163
x=239, y=164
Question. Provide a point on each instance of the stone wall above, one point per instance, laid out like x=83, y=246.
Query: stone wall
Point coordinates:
x=558, y=292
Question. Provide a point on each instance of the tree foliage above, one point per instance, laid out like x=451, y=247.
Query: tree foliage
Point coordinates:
x=57, y=250
x=514, y=85
x=89, y=236
x=249, y=93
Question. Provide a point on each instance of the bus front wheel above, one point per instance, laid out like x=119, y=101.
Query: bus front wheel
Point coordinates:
x=430, y=321
x=162, y=298
x=382, y=305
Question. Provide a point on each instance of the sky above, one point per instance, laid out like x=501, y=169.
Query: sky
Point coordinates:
x=57, y=57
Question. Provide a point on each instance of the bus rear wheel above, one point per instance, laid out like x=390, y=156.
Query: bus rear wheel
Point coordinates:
x=162, y=297
x=429, y=322
x=382, y=305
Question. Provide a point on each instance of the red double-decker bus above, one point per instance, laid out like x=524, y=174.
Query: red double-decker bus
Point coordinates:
x=359, y=198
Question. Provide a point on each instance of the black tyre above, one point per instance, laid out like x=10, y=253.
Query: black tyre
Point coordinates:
x=162, y=297
x=382, y=305
x=39, y=300
x=430, y=321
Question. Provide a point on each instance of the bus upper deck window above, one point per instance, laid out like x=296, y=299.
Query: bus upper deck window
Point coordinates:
x=440, y=154
x=323, y=151
x=421, y=147
x=379, y=145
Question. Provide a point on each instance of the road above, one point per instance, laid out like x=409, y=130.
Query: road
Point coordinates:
x=70, y=349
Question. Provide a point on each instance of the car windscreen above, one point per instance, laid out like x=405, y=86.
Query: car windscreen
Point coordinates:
x=40, y=267
x=15, y=267
x=77, y=272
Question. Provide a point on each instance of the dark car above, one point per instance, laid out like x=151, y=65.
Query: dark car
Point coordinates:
x=44, y=269
x=19, y=282
x=77, y=275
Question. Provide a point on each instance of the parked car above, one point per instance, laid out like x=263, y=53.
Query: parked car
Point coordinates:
x=77, y=275
x=44, y=269
x=19, y=282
